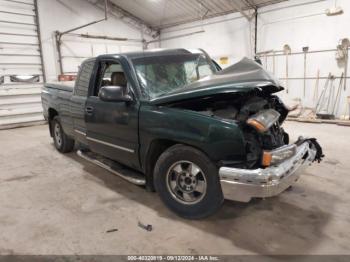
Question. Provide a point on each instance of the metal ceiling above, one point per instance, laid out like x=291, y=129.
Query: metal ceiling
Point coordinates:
x=160, y=14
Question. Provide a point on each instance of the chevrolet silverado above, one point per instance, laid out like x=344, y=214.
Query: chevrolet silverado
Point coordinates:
x=175, y=122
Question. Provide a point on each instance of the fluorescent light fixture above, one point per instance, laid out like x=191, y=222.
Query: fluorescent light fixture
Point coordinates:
x=25, y=78
x=334, y=11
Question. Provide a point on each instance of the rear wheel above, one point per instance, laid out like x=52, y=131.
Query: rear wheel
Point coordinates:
x=188, y=182
x=62, y=142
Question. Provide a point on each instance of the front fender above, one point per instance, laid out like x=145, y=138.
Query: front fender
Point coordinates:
x=220, y=140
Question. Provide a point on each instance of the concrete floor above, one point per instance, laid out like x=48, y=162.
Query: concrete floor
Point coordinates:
x=60, y=204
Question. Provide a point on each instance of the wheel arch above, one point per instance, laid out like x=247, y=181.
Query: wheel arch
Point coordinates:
x=156, y=149
x=51, y=115
x=211, y=197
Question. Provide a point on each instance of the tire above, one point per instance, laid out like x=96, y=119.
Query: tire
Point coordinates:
x=188, y=182
x=62, y=142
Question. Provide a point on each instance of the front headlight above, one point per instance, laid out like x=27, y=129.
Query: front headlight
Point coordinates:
x=263, y=120
x=278, y=155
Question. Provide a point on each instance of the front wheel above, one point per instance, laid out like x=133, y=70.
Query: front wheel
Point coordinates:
x=188, y=182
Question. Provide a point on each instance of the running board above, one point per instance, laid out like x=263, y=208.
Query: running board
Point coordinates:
x=113, y=167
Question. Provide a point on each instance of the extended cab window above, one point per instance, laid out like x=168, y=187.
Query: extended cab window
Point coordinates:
x=111, y=74
x=83, y=81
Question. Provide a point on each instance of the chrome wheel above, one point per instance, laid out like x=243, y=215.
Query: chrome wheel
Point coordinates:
x=186, y=182
x=58, y=134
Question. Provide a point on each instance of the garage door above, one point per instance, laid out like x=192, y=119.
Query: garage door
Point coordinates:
x=21, y=69
x=75, y=49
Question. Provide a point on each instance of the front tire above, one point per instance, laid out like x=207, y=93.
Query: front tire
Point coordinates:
x=188, y=182
x=62, y=142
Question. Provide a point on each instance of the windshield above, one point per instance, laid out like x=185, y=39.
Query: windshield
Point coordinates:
x=160, y=75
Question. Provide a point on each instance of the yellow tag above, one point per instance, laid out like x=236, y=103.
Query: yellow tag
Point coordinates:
x=224, y=60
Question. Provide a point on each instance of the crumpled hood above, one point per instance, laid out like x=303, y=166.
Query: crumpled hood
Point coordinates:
x=243, y=76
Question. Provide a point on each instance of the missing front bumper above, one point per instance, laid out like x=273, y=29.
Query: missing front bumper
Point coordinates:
x=244, y=184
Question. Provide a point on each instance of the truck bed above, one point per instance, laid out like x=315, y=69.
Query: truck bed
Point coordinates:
x=67, y=86
x=57, y=96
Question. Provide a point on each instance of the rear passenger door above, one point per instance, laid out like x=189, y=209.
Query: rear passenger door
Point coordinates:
x=112, y=127
x=79, y=97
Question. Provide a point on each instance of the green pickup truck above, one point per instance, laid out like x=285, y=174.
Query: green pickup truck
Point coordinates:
x=175, y=122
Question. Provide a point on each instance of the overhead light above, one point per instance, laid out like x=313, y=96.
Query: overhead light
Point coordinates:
x=25, y=78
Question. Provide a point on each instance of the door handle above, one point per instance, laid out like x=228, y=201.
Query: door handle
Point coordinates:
x=89, y=110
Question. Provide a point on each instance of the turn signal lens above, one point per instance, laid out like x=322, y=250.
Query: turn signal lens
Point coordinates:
x=266, y=159
x=278, y=155
x=257, y=125
x=283, y=153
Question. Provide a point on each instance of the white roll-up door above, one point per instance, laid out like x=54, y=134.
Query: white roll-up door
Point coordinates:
x=21, y=68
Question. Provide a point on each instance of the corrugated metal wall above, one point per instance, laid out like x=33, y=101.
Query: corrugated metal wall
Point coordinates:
x=20, y=61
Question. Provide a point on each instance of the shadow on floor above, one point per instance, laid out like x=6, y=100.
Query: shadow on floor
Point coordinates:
x=269, y=226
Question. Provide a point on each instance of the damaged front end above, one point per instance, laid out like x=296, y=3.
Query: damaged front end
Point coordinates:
x=244, y=95
x=272, y=163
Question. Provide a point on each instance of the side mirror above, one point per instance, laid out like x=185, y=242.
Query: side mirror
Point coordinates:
x=114, y=94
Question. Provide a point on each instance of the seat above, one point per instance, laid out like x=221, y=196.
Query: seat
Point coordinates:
x=118, y=79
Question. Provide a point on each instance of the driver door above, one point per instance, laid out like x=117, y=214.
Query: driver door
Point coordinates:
x=112, y=127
